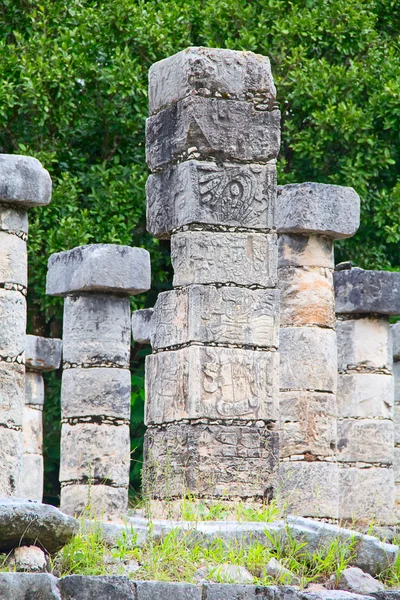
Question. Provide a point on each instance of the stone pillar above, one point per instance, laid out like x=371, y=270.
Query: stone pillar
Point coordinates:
x=212, y=380
x=364, y=302
x=310, y=216
x=142, y=321
x=23, y=184
x=395, y=332
x=96, y=281
x=41, y=354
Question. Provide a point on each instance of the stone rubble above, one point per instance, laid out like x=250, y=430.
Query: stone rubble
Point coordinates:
x=355, y=580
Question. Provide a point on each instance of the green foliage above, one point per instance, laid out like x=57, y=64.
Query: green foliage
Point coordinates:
x=73, y=94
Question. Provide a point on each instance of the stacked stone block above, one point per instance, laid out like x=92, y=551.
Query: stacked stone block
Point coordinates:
x=96, y=282
x=364, y=302
x=395, y=331
x=23, y=184
x=142, y=321
x=41, y=355
x=310, y=216
x=212, y=380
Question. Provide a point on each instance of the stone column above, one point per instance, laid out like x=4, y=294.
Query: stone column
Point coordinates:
x=142, y=321
x=310, y=216
x=41, y=355
x=23, y=184
x=212, y=380
x=96, y=281
x=395, y=332
x=364, y=302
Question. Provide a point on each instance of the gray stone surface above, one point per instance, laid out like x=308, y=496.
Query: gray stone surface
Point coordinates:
x=83, y=587
x=396, y=422
x=13, y=219
x=330, y=210
x=367, y=494
x=42, y=354
x=333, y=595
x=105, y=501
x=29, y=586
x=23, y=181
x=395, y=331
x=12, y=323
x=13, y=260
x=306, y=296
x=163, y=590
x=32, y=477
x=96, y=392
x=396, y=464
x=142, y=325
x=11, y=463
x=365, y=395
x=276, y=570
x=225, y=591
x=32, y=430
x=302, y=487
x=12, y=385
x=307, y=423
x=30, y=559
x=396, y=377
x=209, y=129
x=365, y=441
x=230, y=574
x=225, y=315
x=359, y=291
x=212, y=460
x=31, y=523
x=96, y=330
x=226, y=194
x=34, y=388
x=355, y=580
x=95, y=451
x=214, y=383
x=99, y=268
x=241, y=258
x=308, y=359
x=364, y=344
x=301, y=250
x=209, y=72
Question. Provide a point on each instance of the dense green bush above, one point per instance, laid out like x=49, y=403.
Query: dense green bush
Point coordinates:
x=73, y=94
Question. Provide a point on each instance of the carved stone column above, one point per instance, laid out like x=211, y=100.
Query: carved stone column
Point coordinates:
x=212, y=380
x=142, y=323
x=96, y=281
x=364, y=302
x=23, y=184
x=395, y=331
x=310, y=216
x=41, y=355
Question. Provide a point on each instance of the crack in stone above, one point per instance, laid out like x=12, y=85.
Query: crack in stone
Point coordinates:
x=19, y=359
x=215, y=345
x=96, y=419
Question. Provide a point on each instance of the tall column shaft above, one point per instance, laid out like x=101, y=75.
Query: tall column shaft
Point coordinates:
x=395, y=332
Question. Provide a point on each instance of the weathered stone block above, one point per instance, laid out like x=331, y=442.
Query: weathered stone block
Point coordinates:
x=11, y=461
x=365, y=441
x=99, y=392
x=364, y=344
x=396, y=377
x=306, y=296
x=213, y=194
x=32, y=430
x=13, y=259
x=301, y=250
x=359, y=291
x=12, y=392
x=209, y=72
x=84, y=587
x=42, y=354
x=309, y=489
x=142, y=325
x=396, y=423
x=396, y=464
x=210, y=460
x=331, y=210
x=34, y=388
x=165, y=590
x=13, y=219
x=210, y=129
x=365, y=395
x=308, y=359
x=99, y=268
x=367, y=494
x=23, y=181
x=98, y=452
x=307, y=423
x=32, y=477
x=96, y=330
x=24, y=586
x=225, y=315
x=240, y=258
x=104, y=501
x=395, y=331
x=12, y=323
x=208, y=382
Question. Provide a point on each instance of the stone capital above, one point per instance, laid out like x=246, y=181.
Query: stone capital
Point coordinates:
x=23, y=181
x=42, y=354
x=142, y=325
x=358, y=291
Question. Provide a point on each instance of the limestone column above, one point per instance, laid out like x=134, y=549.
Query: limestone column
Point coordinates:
x=23, y=184
x=142, y=321
x=395, y=332
x=96, y=281
x=41, y=355
x=212, y=381
x=364, y=302
x=310, y=216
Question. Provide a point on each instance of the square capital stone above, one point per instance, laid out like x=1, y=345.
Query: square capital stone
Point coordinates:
x=99, y=268
x=23, y=181
x=42, y=354
x=142, y=325
x=331, y=210
x=359, y=291
x=215, y=72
